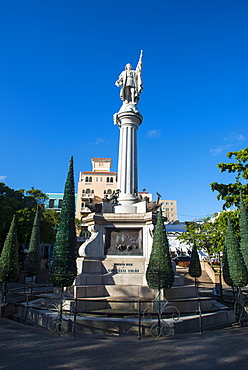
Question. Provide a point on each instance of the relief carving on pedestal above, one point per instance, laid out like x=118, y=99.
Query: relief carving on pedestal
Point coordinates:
x=126, y=241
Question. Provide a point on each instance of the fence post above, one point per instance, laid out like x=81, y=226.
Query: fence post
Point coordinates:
x=26, y=311
x=200, y=314
x=139, y=308
x=75, y=319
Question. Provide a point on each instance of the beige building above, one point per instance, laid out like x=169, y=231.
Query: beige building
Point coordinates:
x=169, y=209
x=95, y=185
x=101, y=182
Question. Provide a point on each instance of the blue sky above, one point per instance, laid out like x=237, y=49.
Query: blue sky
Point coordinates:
x=58, y=63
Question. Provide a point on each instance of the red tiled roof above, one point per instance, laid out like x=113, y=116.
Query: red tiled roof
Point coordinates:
x=100, y=172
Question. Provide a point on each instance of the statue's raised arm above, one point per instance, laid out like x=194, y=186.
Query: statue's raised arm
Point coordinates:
x=130, y=82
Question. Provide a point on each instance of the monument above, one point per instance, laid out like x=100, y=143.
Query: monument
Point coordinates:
x=118, y=250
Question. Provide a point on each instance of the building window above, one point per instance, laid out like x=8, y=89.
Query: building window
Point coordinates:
x=90, y=179
x=107, y=180
x=92, y=191
x=171, y=203
x=83, y=191
x=86, y=179
x=172, y=209
x=100, y=178
x=109, y=191
x=60, y=203
x=167, y=209
x=111, y=179
x=51, y=203
x=88, y=191
x=167, y=203
x=96, y=179
x=105, y=192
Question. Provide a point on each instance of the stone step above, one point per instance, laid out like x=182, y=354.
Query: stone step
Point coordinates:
x=182, y=305
x=137, y=291
x=186, y=324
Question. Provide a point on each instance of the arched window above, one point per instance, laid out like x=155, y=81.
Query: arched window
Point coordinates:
x=83, y=191
x=90, y=179
x=105, y=192
x=86, y=179
x=92, y=191
x=107, y=179
x=88, y=191
x=109, y=191
x=111, y=179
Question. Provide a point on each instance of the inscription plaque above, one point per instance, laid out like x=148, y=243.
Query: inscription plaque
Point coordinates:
x=124, y=242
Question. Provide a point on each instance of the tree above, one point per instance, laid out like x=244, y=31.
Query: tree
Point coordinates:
x=63, y=271
x=209, y=234
x=195, y=265
x=24, y=206
x=37, y=194
x=229, y=193
x=49, y=225
x=243, y=225
x=32, y=264
x=160, y=273
x=9, y=262
x=225, y=269
x=237, y=268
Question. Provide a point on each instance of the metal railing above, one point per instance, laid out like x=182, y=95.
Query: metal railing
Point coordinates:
x=63, y=319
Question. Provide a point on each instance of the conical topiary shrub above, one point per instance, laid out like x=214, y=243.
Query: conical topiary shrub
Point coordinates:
x=160, y=273
x=237, y=268
x=195, y=265
x=243, y=227
x=32, y=263
x=63, y=270
x=225, y=269
x=9, y=261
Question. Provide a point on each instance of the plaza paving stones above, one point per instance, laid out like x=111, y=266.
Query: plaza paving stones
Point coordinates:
x=35, y=348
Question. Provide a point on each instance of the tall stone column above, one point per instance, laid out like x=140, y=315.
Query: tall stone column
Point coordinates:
x=128, y=122
x=128, y=119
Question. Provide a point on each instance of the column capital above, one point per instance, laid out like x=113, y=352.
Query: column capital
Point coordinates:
x=128, y=118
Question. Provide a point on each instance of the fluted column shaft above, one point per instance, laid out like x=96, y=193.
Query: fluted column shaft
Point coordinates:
x=127, y=163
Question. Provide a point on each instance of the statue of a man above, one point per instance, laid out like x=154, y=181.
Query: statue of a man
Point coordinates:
x=131, y=83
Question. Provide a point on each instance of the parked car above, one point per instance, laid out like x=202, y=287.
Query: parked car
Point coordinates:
x=182, y=261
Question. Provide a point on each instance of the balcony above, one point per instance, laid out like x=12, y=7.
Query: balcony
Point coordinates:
x=87, y=196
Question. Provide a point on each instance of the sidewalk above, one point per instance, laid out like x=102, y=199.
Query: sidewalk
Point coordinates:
x=33, y=348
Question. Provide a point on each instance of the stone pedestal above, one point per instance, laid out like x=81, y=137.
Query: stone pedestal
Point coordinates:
x=118, y=249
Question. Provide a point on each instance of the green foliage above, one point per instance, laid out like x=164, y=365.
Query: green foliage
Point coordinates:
x=160, y=273
x=32, y=264
x=229, y=193
x=195, y=266
x=209, y=234
x=243, y=225
x=63, y=271
x=49, y=225
x=24, y=206
x=225, y=269
x=237, y=268
x=9, y=264
x=37, y=194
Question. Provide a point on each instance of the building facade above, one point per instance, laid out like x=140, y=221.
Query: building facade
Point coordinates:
x=95, y=185
x=54, y=201
x=169, y=209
